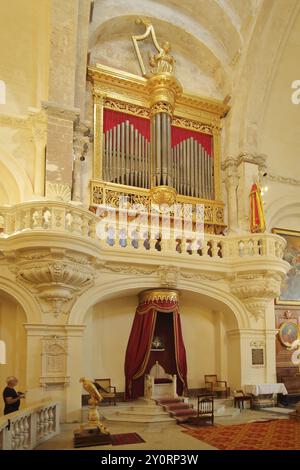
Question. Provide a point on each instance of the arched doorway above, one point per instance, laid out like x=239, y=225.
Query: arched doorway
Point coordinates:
x=12, y=331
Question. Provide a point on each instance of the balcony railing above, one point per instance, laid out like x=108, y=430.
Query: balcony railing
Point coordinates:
x=26, y=429
x=68, y=219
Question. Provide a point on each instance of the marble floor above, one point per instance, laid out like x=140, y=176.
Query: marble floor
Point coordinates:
x=157, y=436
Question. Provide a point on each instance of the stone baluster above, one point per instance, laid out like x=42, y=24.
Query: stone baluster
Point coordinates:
x=17, y=435
x=69, y=221
x=92, y=228
x=85, y=227
x=46, y=422
x=205, y=248
x=263, y=247
x=13, y=436
x=51, y=419
x=38, y=426
x=22, y=432
x=18, y=221
x=37, y=219
x=58, y=219
x=10, y=223
x=26, y=443
x=42, y=424
x=77, y=223
x=214, y=248
x=26, y=219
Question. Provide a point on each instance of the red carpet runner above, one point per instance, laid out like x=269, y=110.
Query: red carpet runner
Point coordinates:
x=177, y=408
x=279, y=434
x=123, y=439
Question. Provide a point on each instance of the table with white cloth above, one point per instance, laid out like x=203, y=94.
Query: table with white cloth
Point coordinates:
x=265, y=395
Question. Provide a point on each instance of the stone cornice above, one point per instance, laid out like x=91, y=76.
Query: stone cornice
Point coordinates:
x=283, y=179
x=63, y=112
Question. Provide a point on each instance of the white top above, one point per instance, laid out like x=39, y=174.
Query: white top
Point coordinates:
x=263, y=389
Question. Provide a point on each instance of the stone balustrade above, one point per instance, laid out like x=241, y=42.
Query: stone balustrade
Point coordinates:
x=26, y=429
x=66, y=218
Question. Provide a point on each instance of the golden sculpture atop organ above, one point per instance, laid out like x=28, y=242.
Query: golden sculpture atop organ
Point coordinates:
x=154, y=143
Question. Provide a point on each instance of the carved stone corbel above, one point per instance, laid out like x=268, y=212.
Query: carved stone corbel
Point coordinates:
x=256, y=290
x=55, y=278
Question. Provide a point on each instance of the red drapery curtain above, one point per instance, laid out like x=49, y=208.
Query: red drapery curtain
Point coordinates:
x=179, y=134
x=111, y=118
x=140, y=341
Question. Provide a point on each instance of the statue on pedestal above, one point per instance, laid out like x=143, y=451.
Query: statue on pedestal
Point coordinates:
x=94, y=400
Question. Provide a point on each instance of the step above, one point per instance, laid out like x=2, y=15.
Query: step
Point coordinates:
x=186, y=412
x=140, y=419
x=168, y=401
x=143, y=413
x=177, y=406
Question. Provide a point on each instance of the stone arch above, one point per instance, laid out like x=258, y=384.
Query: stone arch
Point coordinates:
x=15, y=183
x=208, y=60
x=135, y=285
x=26, y=300
x=245, y=120
x=283, y=208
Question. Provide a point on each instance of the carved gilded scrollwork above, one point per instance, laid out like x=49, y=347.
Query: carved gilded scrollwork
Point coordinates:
x=191, y=124
x=106, y=193
x=128, y=108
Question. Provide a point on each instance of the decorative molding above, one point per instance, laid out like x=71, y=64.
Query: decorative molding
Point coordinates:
x=168, y=276
x=193, y=125
x=257, y=344
x=58, y=191
x=54, y=362
x=202, y=276
x=62, y=112
x=151, y=295
x=283, y=179
x=128, y=108
x=15, y=122
x=128, y=269
x=256, y=307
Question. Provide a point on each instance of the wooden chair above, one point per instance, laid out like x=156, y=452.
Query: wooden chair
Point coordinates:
x=205, y=408
x=106, y=389
x=213, y=385
x=240, y=397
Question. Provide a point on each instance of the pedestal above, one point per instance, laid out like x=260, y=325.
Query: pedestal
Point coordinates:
x=90, y=437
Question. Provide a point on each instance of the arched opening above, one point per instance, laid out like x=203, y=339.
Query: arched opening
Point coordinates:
x=12, y=332
x=206, y=325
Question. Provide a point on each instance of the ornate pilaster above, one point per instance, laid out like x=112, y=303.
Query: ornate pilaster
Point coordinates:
x=81, y=142
x=38, y=121
x=231, y=183
x=59, y=157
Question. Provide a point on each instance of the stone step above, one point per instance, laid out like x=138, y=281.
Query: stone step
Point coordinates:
x=140, y=419
x=158, y=412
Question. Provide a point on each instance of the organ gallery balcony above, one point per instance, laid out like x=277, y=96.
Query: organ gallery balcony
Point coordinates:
x=54, y=223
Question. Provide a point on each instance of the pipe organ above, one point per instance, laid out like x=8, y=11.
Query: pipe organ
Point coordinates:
x=153, y=142
x=126, y=156
x=186, y=166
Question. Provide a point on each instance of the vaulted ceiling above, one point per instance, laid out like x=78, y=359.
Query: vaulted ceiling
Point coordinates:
x=222, y=48
x=207, y=36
